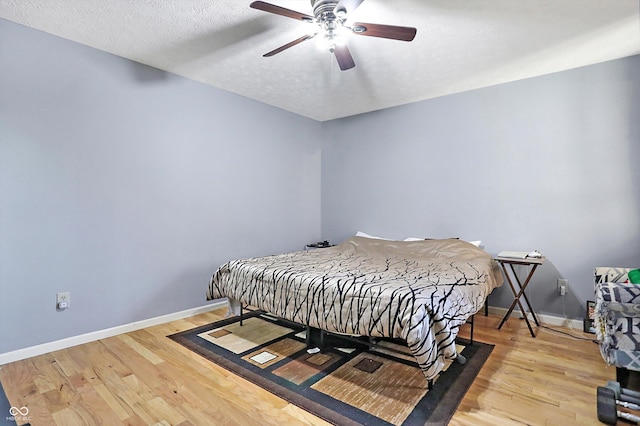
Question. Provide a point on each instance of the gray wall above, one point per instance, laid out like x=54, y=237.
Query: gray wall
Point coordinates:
x=127, y=186
x=549, y=163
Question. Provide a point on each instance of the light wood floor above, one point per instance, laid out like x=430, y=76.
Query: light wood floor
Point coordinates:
x=143, y=378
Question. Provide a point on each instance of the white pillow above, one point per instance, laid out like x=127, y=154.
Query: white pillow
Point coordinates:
x=362, y=234
x=475, y=243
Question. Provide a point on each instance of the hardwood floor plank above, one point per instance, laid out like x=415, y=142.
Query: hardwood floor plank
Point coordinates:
x=149, y=355
x=112, y=402
x=167, y=411
x=144, y=378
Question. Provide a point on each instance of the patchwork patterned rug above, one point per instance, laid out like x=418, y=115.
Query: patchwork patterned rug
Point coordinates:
x=346, y=383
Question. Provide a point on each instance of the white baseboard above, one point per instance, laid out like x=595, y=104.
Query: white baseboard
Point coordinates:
x=44, y=348
x=544, y=319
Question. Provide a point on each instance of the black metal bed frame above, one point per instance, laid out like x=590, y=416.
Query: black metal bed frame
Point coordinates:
x=371, y=342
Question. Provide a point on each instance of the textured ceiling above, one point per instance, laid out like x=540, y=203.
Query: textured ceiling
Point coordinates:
x=460, y=45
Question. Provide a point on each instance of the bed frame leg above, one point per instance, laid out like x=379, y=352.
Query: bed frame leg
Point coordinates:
x=241, y=316
x=307, y=339
x=472, y=324
x=430, y=384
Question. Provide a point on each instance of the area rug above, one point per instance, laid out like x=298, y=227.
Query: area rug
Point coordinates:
x=7, y=412
x=346, y=383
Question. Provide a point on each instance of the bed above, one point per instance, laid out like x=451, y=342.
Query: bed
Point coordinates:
x=420, y=292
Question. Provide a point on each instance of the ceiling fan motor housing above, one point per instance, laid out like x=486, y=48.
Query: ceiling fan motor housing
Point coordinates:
x=324, y=10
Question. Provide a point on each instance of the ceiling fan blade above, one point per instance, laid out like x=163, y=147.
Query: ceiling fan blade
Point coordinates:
x=343, y=56
x=348, y=5
x=288, y=45
x=272, y=8
x=384, y=31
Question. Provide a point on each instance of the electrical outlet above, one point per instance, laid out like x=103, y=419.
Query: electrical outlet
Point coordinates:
x=563, y=286
x=63, y=300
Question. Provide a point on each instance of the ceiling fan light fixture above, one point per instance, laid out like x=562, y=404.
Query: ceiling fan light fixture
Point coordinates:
x=334, y=34
x=331, y=39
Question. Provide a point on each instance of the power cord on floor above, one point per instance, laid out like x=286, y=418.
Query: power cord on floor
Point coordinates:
x=546, y=327
x=564, y=314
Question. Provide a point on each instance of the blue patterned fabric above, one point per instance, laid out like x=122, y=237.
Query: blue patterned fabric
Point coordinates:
x=617, y=317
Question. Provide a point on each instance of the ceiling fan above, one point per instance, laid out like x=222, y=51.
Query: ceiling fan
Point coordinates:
x=331, y=18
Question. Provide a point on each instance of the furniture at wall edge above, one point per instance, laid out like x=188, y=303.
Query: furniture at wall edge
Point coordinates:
x=617, y=320
x=519, y=290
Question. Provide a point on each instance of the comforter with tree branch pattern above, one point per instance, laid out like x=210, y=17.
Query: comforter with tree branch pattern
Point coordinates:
x=418, y=291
